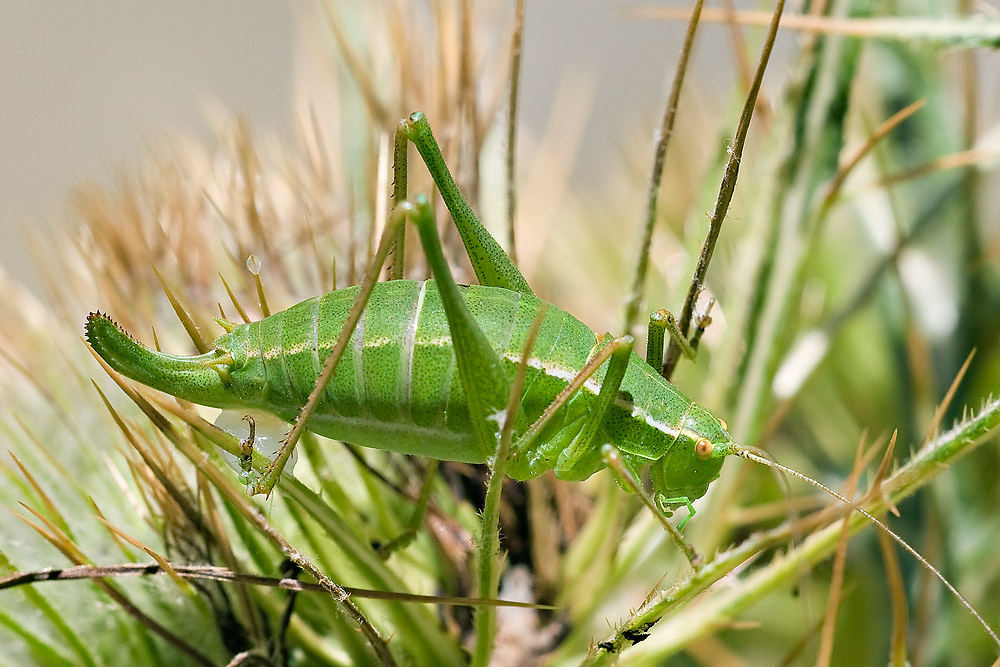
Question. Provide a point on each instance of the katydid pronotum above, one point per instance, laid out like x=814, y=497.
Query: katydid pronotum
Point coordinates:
x=427, y=368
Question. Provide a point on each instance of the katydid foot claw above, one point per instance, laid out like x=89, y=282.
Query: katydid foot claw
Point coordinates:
x=665, y=506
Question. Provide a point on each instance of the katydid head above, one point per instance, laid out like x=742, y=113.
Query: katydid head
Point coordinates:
x=693, y=461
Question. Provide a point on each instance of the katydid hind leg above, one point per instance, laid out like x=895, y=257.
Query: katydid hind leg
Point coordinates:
x=492, y=265
x=483, y=379
x=489, y=402
x=400, y=179
x=481, y=374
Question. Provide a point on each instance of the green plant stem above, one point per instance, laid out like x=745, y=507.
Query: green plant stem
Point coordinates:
x=701, y=620
x=489, y=543
x=489, y=546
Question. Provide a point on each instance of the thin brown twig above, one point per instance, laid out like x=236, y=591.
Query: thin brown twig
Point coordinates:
x=61, y=541
x=516, y=40
x=663, y=135
x=222, y=574
x=726, y=189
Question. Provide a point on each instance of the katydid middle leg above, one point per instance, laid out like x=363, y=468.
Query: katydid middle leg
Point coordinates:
x=583, y=455
x=574, y=448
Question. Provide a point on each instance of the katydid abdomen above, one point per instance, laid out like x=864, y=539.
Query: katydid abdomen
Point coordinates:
x=397, y=386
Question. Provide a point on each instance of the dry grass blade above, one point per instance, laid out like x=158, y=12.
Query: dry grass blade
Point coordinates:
x=236, y=302
x=942, y=408
x=897, y=594
x=882, y=131
x=50, y=506
x=182, y=314
x=161, y=560
x=970, y=158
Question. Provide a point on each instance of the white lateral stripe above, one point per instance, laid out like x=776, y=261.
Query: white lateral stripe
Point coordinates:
x=554, y=370
x=440, y=341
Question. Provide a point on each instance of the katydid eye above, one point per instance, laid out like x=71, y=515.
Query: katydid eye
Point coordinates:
x=703, y=448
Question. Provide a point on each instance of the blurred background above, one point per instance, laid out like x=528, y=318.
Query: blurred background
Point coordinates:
x=85, y=85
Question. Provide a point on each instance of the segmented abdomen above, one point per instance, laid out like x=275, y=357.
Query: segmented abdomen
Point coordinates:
x=397, y=386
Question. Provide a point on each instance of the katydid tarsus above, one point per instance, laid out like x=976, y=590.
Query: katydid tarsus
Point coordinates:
x=426, y=368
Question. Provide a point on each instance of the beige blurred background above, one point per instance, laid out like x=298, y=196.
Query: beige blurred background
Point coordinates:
x=86, y=84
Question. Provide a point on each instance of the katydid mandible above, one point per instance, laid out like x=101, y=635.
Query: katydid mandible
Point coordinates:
x=426, y=367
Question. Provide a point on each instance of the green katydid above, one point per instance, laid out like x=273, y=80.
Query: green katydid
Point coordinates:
x=426, y=367
x=401, y=386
